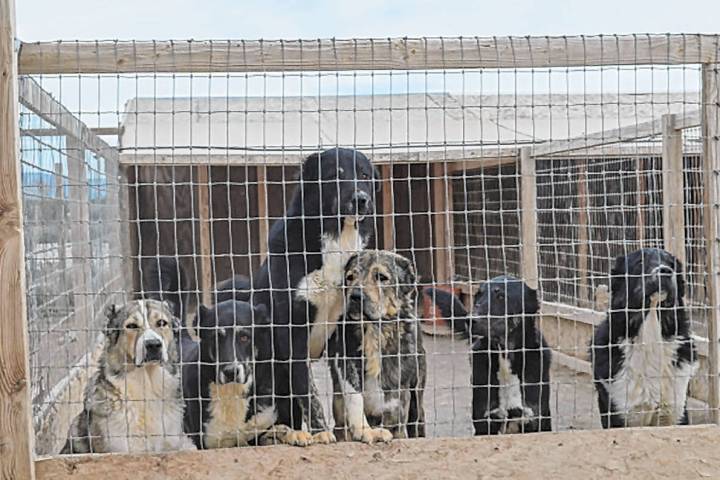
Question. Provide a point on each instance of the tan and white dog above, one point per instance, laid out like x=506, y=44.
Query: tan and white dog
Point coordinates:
x=134, y=401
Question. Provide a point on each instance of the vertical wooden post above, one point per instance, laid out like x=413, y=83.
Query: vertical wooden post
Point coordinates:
x=16, y=432
x=711, y=166
x=79, y=229
x=262, y=210
x=673, y=189
x=442, y=223
x=583, y=240
x=528, y=214
x=206, y=271
x=388, y=206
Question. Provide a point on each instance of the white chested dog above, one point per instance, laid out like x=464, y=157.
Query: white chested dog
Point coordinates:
x=134, y=401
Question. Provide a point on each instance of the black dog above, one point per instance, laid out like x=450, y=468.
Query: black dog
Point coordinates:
x=329, y=218
x=510, y=358
x=642, y=354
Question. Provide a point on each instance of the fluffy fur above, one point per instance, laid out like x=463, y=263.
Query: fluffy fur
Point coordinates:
x=377, y=359
x=328, y=219
x=510, y=358
x=642, y=354
x=134, y=402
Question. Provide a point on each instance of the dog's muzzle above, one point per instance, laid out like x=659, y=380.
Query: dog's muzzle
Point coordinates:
x=662, y=279
x=358, y=305
x=150, y=348
x=360, y=205
x=233, y=373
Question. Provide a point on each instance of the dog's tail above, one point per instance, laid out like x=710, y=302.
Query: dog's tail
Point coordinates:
x=164, y=280
x=451, y=308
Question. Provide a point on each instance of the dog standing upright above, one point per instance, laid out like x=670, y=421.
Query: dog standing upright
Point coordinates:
x=134, y=402
x=377, y=359
x=642, y=354
x=510, y=358
x=329, y=218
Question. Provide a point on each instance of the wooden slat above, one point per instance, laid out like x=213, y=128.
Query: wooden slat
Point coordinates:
x=16, y=433
x=711, y=167
x=206, y=257
x=673, y=189
x=44, y=105
x=442, y=223
x=583, y=237
x=79, y=231
x=528, y=232
x=52, y=132
x=388, y=196
x=616, y=135
x=264, y=221
x=453, y=156
x=91, y=57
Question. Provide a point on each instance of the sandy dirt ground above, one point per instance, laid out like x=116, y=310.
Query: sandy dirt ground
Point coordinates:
x=655, y=453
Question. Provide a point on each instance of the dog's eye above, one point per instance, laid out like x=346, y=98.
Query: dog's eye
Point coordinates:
x=244, y=338
x=350, y=277
x=364, y=175
x=132, y=326
x=381, y=277
x=162, y=323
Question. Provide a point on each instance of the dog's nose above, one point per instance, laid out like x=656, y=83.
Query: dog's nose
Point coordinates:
x=233, y=373
x=362, y=202
x=664, y=270
x=153, y=349
x=356, y=295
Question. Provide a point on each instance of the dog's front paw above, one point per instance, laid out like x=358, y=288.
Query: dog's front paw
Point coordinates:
x=372, y=435
x=298, y=438
x=324, y=437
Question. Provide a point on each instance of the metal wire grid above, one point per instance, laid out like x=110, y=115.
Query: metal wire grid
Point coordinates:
x=198, y=119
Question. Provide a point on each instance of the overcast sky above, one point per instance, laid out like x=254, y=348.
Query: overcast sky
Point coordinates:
x=227, y=19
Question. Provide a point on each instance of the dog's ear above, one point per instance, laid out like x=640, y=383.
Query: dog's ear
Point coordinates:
x=205, y=320
x=679, y=278
x=407, y=278
x=531, y=300
x=351, y=261
x=112, y=329
x=618, y=276
x=310, y=169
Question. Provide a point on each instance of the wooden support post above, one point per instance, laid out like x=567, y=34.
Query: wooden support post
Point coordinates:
x=206, y=270
x=711, y=166
x=262, y=211
x=442, y=223
x=673, y=189
x=62, y=237
x=388, y=208
x=583, y=240
x=79, y=230
x=16, y=432
x=528, y=231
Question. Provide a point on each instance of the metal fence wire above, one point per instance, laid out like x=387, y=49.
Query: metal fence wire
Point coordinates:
x=486, y=159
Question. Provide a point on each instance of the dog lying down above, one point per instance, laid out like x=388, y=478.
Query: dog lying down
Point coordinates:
x=642, y=354
x=377, y=359
x=510, y=358
x=134, y=402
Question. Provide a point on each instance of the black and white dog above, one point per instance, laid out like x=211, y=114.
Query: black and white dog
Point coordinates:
x=642, y=354
x=510, y=358
x=328, y=220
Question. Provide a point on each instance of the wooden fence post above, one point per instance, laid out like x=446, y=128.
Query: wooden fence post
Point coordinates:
x=711, y=166
x=388, y=208
x=673, y=188
x=206, y=236
x=16, y=432
x=442, y=222
x=528, y=214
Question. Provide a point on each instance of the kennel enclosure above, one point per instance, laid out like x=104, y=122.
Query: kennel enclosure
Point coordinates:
x=541, y=157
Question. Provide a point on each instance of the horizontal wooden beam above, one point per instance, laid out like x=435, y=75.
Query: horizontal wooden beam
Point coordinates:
x=39, y=101
x=93, y=57
x=607, y=137
x=54, y=132
x=460, y=157
x=562, y=455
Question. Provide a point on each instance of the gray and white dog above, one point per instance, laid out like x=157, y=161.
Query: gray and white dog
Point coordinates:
x=377, y=359
x=134, y=401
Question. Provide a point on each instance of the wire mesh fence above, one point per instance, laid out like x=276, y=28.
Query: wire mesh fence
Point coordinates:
x=217, y=181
